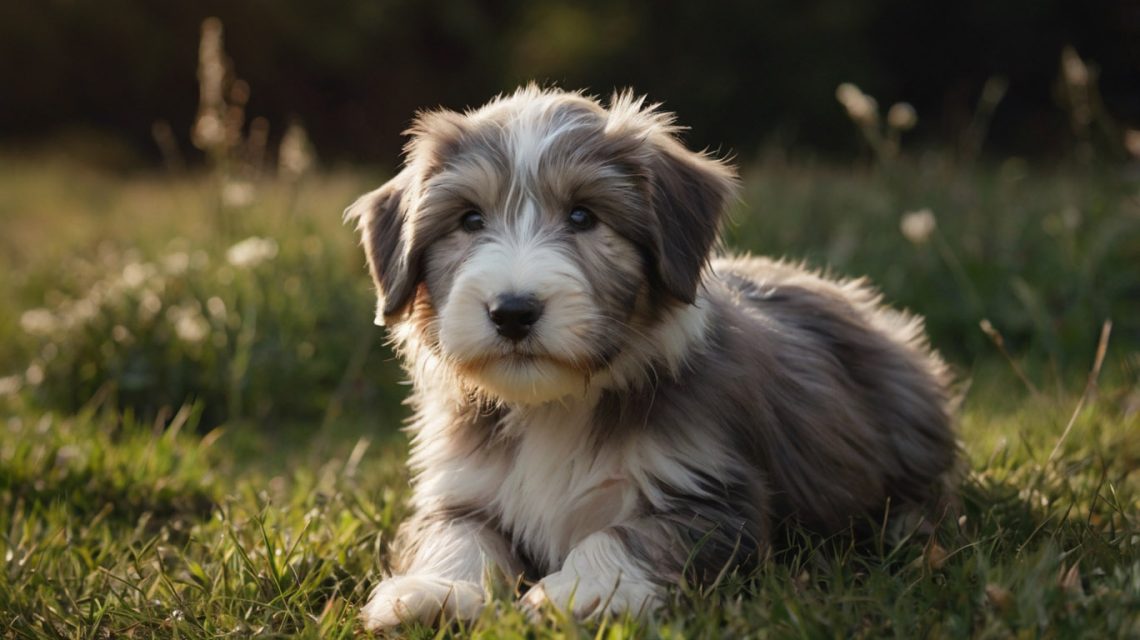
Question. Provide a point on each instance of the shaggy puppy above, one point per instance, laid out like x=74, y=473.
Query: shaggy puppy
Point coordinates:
x=599, y=404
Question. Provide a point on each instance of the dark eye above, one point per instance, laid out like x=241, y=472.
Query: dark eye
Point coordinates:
x=580, y=219
x=471, y=221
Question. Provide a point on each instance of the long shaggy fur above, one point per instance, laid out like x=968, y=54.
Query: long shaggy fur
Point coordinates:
x=668, y=407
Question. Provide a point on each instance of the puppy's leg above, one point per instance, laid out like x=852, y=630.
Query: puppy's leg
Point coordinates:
x=599, y=575
x=627, y=568
x=440, y=570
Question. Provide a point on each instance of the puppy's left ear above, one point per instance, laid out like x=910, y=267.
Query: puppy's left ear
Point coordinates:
x=381, y=218
x=689, y=194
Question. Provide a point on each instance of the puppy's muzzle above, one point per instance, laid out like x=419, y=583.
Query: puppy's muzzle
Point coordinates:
x=515, y=315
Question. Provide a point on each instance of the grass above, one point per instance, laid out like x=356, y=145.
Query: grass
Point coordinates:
x=197, y=472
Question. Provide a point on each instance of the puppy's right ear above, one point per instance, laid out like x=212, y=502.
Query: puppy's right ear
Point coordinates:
x=381, y=217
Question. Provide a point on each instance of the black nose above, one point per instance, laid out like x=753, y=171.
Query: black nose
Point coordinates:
x=514, y=315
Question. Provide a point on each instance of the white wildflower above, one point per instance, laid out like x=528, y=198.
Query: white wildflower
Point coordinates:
x=208, y=131
x=217, y=308
x=902, y=116
x=10, y=385
x=1073, y=68
x=251, y=252
x=189, y=324
x=67, y=454
x=917, y=226
x=149, y=305
x=1132, y=142
x=83, y=311
x=861, y=107
x=120, y=334
x=294, y=157
x=176, y=263
x=136, y=273
x=238, y=194
x=34, y=375
x=38, y=322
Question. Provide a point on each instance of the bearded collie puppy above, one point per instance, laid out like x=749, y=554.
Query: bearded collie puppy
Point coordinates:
x=604, y=403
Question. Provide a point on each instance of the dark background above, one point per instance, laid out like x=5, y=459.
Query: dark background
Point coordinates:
x=740, y=74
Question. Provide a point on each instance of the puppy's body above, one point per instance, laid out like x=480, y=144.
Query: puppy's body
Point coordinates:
x=598, y=405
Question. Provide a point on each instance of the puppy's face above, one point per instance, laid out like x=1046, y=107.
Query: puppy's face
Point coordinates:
x=528, y=243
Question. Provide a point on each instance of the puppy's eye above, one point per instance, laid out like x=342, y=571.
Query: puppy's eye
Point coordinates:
x=471, y=221
x=581, y=219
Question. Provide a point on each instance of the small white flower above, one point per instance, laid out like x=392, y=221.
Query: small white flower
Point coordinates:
x=67, y=454
x=149, y=305
x=237, y=194
x=1132, y=142
x=902, y=116
x=83, y=311
x=134, y=274
x=38, y=322
x=917, y=226
x=120, y=334
x=1073, y=68
x=861, y=107
x=176, y=263
x=847, y=92
x=189, y=324
x=251, y=252
x=208, y=130
x=10, y=385
x=294, y=157
x=217, y=308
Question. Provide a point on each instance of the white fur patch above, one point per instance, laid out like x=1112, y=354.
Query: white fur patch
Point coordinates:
x=557, y=490
x=554, y=488
x=598, y=578
x=421, y=598
x=522, y=262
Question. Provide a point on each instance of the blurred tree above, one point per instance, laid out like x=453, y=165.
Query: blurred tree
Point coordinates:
x=739, y=72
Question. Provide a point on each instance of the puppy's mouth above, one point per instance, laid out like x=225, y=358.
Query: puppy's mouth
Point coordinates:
x=523, y=357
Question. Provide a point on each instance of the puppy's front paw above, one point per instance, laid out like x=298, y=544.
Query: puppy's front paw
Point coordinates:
x=421, y=598
x=593, y=596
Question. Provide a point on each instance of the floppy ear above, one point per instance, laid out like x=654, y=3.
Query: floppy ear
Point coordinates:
x=381, y=218
x=689, y=193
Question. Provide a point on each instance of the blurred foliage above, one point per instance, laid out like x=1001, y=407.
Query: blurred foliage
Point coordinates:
x=1046, y=256
x=740, y=73
x=238, y=288
x=251, y=298
x=225, y=297
x=255, y=332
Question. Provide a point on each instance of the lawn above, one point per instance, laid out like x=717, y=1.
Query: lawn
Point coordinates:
x=201, y=436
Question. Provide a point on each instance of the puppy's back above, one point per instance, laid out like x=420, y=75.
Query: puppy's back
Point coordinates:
x=852, y=406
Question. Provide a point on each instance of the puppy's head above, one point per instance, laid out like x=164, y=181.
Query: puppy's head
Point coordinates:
x=529, y=242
